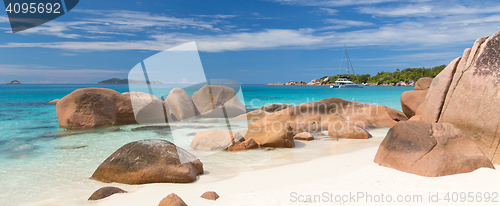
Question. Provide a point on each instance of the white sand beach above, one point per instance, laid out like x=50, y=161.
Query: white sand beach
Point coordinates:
x=346, y=178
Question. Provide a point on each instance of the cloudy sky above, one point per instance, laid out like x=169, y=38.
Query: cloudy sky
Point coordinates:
x=250, y=41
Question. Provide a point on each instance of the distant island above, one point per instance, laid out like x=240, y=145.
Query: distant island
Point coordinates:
x=125, y=81
x=405, y=77
x=15, y=82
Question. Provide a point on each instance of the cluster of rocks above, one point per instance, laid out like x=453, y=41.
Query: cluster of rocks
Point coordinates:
x=170, y=200
x=99, y=107
x=314, y=82
x=326, y=81
x=323, y=81
x=295, y=83
x=279, y=127
x=174, y=200
x=454, y=118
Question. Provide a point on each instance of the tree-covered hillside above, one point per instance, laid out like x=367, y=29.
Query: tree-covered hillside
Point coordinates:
x=406, y=75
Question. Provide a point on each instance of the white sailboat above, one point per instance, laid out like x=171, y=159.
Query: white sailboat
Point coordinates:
x=345, y=82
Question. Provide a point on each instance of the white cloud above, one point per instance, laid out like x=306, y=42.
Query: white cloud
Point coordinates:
x=126, y=20
x=429, y=10
x=3, y=19
x=329, y=11
x=426, y=34
x=342, y=24
x=53, y=28
x=217, y=16
x=231, y=42
x=421, y=32
x=117, y=22
x=407, y=10
x=329, y=3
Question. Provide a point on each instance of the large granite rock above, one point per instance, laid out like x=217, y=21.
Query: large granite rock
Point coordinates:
x=411, y=100
x=147, y=108
x=431, y=108
x=246, y=144
x=213, y=139
x=470, y=101
x=430, y=149
x=149, y=161
x=180, y=104
x=274, y=107
x=105, y=192
x=94, y=107
x=347, y=130
x=326, y=110
x=210, y=99
x=274, y=134
x=99, y=107
x=423, y=83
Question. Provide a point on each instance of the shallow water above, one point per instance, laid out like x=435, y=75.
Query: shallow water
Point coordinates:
x=44, y=164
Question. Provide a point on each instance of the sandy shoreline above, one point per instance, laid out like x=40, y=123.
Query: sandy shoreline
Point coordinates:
x=346, y=173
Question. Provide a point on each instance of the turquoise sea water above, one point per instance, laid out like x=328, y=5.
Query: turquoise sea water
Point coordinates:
x=39, y=160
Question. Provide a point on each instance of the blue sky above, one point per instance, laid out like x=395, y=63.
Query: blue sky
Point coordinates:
x=250, y=41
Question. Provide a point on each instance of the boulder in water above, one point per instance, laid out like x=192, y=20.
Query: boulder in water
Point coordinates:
x=149, y=161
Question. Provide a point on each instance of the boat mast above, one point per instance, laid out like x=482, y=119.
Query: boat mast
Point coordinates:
x=347, y=61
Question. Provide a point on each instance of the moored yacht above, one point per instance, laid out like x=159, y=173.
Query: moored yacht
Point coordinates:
x=345, y=82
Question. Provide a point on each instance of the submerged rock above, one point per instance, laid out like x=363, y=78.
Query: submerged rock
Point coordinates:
x=71, y=147
x=430, y=149
x=105, y=192
x=149, y=161
x=148, y=128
